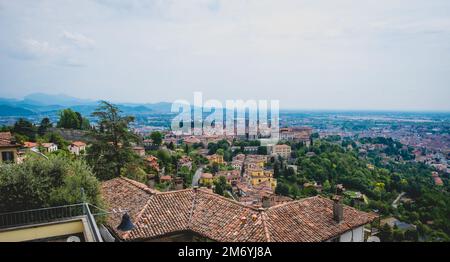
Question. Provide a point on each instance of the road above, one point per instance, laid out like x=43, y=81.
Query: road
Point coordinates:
x=395, y=203
x=197, y=175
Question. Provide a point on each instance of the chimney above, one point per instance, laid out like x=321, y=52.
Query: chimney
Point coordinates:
x=338, y=209
x=265, y=202
x=243, y=220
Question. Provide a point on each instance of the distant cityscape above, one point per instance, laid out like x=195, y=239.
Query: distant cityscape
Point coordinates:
x=370, y=164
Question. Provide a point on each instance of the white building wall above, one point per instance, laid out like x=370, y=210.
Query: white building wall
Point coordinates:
x=355, y=235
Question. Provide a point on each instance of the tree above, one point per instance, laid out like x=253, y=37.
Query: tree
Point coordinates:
x=215, y=168
x=386, y=234
x=262, y=150
x=73, y=120
x=69, y=119
x=38, y=183
x=134, y=172
x=282, y=189
x=326, y=186
x=45, y=124
x=56, y=139
x=111, y=148
x=220, y=185
x=157, y=138
x=25, y=128
x=398, y=235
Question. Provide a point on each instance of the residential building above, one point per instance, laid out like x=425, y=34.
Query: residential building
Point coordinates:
x=255, y=161
x=437, y=180
x=282, y=150
x=206, y=179
x=296, y=134
x=148, y=143
x=394, y=222
x=166, y=179
x=215, y=158
x=30, y=146
x=185, y=161
x=232, y=176
x=49, y=147
x=190, y=140
x=257, y=176
x=8, y=148
x=77, y=147
x=200, y=215
x=152, y=162
x=139, y=150
x=240, y=157
x=237, y=164
x=251, y=149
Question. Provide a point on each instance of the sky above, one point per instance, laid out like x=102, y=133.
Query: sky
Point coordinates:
x=308, y=54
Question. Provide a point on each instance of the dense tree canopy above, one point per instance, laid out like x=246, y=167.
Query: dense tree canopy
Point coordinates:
x=40, y=183
x=24, y=130
x=45, y=124
x=71, y=119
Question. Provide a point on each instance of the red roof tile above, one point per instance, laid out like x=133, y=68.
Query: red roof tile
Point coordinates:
x=156, y=214
x=78, y=143
x=6, y=139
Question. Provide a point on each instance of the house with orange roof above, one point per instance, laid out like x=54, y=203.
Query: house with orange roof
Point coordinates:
x=152, y=162
x=77, y=147
x=215, y=158
x=49, y=147
x=206, y=179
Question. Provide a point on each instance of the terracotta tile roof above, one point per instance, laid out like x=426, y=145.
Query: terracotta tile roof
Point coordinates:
x=207, y=175
x=125, y=194
x=6, y=139
x=166, y=178
x=311, y=220
x=156, y=214
x=29, y=144
x=78, y=143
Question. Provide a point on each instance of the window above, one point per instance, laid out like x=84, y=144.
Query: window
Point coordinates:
x=8, y=156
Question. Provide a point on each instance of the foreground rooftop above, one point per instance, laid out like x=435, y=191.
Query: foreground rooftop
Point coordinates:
x=157, y=214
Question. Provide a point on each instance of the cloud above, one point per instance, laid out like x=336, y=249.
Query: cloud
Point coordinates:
x=65, y=50
x=428, y=26
x=78, y=40
x=35, y=49
x=341, y=49
x=70, y=62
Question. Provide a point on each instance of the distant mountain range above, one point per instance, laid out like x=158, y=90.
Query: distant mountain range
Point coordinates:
x=46, y=104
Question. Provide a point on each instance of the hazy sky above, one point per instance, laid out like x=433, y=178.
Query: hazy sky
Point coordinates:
x=346, y=54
